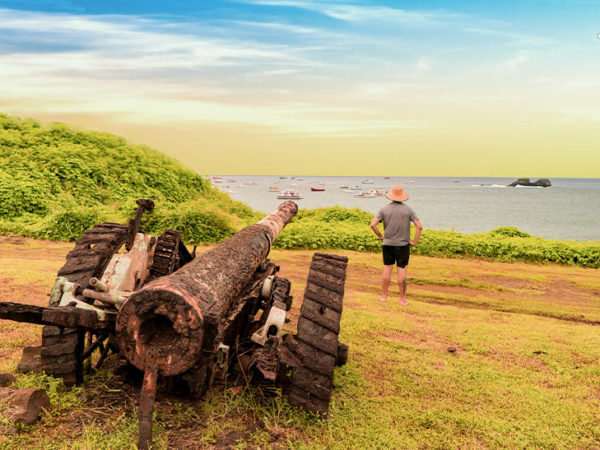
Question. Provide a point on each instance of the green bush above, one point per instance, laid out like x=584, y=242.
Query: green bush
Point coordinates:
x=20, y=195
x=313, y=231
x=509, y=232
x=57, y=181
x=199, y=223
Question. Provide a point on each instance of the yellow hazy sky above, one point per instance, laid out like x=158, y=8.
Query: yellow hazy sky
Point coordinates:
x=326, y=88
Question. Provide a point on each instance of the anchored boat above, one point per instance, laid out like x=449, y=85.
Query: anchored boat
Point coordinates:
x=289, y=194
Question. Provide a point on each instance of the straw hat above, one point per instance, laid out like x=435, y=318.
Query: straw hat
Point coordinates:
x=397, y=194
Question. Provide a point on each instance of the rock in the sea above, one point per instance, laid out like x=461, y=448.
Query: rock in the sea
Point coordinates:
x=543, y=182
x=24, y=405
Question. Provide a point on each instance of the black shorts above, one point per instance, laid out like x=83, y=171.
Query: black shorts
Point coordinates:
x=398, y=254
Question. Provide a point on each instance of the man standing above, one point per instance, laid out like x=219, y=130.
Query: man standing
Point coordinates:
x=396, y=218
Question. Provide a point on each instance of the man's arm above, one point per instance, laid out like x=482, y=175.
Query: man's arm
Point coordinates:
x=374, y=223
x=415, y=241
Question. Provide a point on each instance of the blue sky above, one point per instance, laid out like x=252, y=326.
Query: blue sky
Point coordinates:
x=460, y=83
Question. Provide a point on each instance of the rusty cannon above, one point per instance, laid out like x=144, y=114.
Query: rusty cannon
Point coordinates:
x=192, y=321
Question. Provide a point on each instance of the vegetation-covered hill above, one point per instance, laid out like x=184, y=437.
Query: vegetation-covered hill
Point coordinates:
x=57, y=181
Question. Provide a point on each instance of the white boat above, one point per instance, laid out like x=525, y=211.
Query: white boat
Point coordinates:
x=378, y=192
x=289, y=194
x=367, y=181
x=367, y=194
x=356, y=188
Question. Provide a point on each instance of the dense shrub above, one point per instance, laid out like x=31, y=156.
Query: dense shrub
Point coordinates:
x=311, y=231
x=57, y=181
x=199, y=223
x=509, y=232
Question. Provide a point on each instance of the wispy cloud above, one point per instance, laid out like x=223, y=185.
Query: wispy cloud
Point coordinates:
x=518, y=60
x=361, y=13
x=356, y=77
x=141, y=70
x=510, y=37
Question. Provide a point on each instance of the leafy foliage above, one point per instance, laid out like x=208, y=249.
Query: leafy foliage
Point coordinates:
x=319, y=229
x=56, y=182
x=509, y=232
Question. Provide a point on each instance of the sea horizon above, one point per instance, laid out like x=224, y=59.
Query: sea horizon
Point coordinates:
x=567, y=210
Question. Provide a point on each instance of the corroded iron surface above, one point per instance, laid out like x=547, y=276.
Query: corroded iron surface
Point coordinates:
x=146, y=409
x=165, y=322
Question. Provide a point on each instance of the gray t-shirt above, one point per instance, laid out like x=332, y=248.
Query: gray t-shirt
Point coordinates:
x=396, y=218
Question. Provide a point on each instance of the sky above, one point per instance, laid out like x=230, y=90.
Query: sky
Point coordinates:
x=302, y=87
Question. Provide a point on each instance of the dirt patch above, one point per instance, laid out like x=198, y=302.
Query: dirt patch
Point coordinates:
x=12, y=240
x=510, y=283
x=509, y=359
x=423, y=337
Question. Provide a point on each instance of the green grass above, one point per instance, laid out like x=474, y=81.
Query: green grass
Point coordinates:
x=516, y=380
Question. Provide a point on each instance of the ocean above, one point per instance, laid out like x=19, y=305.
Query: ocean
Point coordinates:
x=568, y=210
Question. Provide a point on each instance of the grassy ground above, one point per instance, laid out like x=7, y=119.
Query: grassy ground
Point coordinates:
x=524, y=373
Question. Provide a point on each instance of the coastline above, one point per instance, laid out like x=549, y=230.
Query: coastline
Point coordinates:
x=466, y=205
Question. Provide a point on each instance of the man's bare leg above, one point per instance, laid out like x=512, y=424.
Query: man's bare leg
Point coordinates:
x=385, y=282
x=402, y=285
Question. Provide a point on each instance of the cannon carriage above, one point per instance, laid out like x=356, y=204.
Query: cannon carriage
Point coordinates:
x=191, y=320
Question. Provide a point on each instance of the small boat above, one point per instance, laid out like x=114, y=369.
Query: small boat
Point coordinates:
x=317, y=188
x=367, y=181
x=217, y=179
x=378, y=192
x=367, y=194
x=273, y=189
x=289, y=194
x=411, y=181
x=386, y=178
x=344, y=187
x=356, y=188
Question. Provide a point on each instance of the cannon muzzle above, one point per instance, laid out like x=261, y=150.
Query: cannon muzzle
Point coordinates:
x=163, y=325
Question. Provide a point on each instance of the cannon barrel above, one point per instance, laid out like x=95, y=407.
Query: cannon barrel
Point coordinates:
x=163, y=324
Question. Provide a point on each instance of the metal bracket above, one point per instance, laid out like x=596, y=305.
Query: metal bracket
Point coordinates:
x=67, y=290
x=222, y=359
x=272, y=326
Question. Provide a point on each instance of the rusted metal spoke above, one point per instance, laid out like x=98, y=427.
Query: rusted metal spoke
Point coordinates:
x=147, y=407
